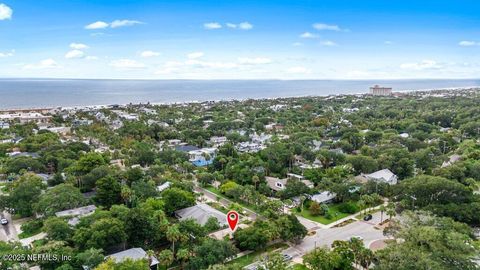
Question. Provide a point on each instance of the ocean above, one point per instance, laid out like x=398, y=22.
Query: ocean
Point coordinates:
x=40, y=93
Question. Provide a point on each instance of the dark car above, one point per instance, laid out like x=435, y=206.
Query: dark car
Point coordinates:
x=367, y=217
x=3, y=221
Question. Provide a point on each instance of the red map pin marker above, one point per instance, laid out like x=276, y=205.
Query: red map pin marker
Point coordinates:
x=232, y=219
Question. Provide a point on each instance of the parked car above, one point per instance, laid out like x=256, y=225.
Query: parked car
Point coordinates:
x=3, y=221
x=367, y=217
x=286, y=257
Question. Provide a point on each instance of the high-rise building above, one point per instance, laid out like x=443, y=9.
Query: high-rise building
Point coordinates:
x=380, y=91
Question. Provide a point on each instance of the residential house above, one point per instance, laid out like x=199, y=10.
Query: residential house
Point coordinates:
x=249, y=147
x=323, y=197
x=4, y=125
x=163, y=186
x=201, y=213
x=382, y=176
x=218, y=141
x=202, y=157
x=452, y=159
x=277, y=184
x=76, y=213
x=134, y=254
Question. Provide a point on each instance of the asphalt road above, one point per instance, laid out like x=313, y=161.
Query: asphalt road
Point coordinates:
x=325, y=237
x=7, y=232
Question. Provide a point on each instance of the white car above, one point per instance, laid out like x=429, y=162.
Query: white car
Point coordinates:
x=3, y=221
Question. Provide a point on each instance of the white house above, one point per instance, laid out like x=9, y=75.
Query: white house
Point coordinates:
x=216, y=140
x=384, y=175
x=163, y=186
x=323, y=197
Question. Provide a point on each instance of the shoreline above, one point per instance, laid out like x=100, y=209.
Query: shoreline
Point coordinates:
x=102, y=106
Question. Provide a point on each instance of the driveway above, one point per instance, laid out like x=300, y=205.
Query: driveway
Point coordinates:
x=8, y=232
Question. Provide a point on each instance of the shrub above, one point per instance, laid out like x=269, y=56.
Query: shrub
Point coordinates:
x=33, y=226
x=348, y=207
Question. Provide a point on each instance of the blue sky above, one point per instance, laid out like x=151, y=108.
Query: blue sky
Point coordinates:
x=240, y=39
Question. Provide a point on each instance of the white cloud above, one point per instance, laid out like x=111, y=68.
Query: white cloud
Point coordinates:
x=297, y=44
x=195, y=63
x=208, y=64
x=323, y=26
x=212, y=25
x=74, y=54
x=422, y=65
x=388, y=42
x=114, y=24
x=328, y=43
x=195, y=55
x=5, y=12
x=122, y=23
x=308, y=35
x=91, y=58
x=147, y=54
x=78, y=46
x=245, y=26
x=467, y=43
x=97, y=25
x=7, y=54
x=44, y=64
x=254, y=61
x=298, y=70
x=241, y=26
x=127, y=64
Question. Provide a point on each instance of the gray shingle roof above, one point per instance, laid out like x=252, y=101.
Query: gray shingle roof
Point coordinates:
x=134, y=254
x=201, y=213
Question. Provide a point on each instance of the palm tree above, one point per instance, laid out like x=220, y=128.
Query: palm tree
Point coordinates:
x=150, y=254
x=365, y=257
x=302, y=200
x=174, y=235
x=255, y=180
x=368, y=201
x=391, y=210
x=166, y=257
x=382, y=209
x=361, y=204
x=183, y=255
x=126, y=194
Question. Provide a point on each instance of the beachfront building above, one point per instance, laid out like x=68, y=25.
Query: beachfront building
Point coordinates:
x=26, y=117
x=380, y=91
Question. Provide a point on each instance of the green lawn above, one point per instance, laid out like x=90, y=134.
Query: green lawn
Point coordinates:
x=256, y=255
x=23, y=235
x=219, y=194
x=332, y=209
x=214, y=190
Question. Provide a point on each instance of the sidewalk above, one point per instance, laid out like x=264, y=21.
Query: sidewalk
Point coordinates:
x=307, y=222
